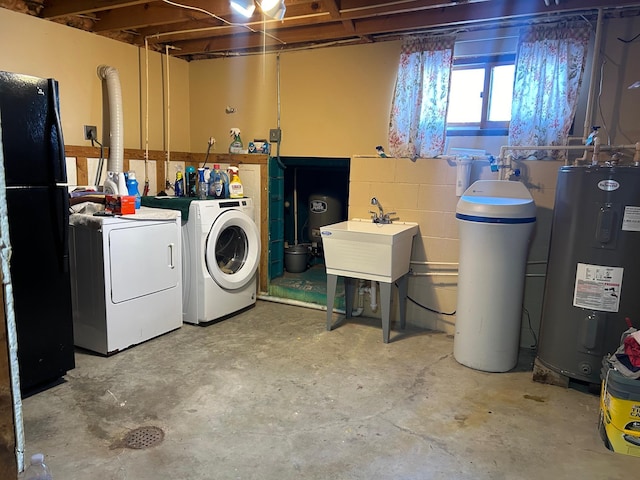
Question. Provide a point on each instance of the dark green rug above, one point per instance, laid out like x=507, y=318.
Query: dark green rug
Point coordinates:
x=309, y=286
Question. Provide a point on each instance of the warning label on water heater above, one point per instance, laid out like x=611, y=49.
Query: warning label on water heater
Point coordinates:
x=631, y=219
x=598, y=287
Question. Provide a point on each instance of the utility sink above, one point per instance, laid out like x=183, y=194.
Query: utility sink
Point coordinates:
x=359, y=248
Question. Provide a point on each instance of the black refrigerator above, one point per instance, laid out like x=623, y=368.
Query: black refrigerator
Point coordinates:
x=38, y=211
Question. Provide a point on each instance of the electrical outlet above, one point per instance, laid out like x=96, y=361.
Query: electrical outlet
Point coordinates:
x=90, y=132
x=275, y=135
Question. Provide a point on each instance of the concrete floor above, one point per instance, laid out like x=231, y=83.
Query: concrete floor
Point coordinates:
x=269, y=394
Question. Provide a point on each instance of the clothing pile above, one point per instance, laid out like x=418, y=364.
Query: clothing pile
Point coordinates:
x=626, y=359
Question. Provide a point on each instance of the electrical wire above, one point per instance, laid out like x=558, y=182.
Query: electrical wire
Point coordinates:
x=213, y=15
x=604, y=123
x=629, y=41
x=533, y=333
x=100, y=161
x=429, y=309
x=206, y=158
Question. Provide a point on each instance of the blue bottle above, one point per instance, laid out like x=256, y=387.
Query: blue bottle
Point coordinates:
x=132, y=187
x=218, y=184
x=179, y=185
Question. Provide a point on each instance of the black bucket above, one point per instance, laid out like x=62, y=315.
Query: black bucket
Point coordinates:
x=295, y=258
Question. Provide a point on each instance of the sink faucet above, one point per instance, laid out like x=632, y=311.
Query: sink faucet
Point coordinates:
x=380, y=216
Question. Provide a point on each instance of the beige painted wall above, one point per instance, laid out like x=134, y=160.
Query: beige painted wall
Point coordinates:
x=46, y=49
x=620, y=68
x=424, y=192
x=247, y=84
x=334, y=102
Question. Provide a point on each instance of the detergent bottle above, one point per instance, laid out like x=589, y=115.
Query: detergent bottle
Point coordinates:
x=132, y=187
x=217, y=183
x=179, y=185
x=235, y=185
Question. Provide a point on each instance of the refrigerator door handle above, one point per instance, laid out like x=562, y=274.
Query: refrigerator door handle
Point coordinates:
x=55, y=107
x=64, y=254
x=61, y=221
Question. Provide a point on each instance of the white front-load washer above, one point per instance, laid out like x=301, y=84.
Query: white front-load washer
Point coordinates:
x=221, y=254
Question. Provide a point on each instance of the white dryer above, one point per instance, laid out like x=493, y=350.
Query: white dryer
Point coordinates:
x=126, y=282
x=221, y=253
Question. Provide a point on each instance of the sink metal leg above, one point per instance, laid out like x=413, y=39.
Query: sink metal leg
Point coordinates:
x=385, y=303
x=349, y=291
x=402, y=298
x=332, y=282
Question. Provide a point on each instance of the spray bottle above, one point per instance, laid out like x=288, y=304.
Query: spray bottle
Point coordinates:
x=235, y=185
x=110, y=185
x=203, y=187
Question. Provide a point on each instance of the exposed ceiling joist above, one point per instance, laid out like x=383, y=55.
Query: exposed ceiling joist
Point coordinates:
x=210, y=28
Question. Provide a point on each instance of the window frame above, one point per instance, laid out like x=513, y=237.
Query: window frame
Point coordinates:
x=484, y=127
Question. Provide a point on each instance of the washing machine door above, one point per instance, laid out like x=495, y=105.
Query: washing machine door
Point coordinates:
x=232, y=249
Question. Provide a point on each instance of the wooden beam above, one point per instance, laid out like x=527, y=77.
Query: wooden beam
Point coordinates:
x=64, y=8
x=144, y=16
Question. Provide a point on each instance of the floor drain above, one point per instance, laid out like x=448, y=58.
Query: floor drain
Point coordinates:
x=143, y=437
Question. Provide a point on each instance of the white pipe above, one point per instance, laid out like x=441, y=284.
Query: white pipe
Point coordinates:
x=373, y=303
x=115, y=162
x=361, y=289
x=417, y=262
x=607, y=148
x=297, y=303
x=588, y=116
x=596, y=151
x=295, y=206
x=433, y=274
x=146, y=118
x=455, y=274
x=166, y=173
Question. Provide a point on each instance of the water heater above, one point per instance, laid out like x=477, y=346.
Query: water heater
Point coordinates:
x=593, y=269
x=323, y=210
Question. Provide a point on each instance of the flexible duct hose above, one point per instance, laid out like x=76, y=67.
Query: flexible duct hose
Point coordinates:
x=115, y=163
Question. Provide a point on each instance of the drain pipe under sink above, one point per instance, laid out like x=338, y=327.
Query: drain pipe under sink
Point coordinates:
x=372, y=291
x=358, y=311
x=373, y=302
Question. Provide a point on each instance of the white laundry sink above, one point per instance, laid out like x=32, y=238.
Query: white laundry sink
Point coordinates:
x=359, y=248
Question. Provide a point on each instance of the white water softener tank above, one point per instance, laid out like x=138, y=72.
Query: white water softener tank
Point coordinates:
x=323, y=210
x=496, y=219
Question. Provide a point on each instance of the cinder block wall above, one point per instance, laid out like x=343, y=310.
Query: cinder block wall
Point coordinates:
x=423, y=191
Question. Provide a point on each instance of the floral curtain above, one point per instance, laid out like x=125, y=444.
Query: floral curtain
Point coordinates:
x=548, y=74
x=419, y=111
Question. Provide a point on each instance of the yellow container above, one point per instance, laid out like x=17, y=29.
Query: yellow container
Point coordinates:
x=620, y=413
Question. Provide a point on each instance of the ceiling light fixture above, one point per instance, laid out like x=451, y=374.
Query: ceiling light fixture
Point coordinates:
x=271, y=8
x=243, y=7
x=276, y=12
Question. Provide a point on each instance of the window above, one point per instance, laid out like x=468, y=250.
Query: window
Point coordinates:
x=480, y=95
